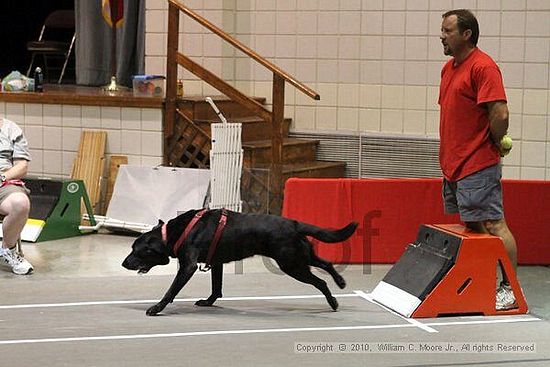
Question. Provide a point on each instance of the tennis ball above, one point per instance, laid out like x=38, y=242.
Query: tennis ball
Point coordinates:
x=506, y=142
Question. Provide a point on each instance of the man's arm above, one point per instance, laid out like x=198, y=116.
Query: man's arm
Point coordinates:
x=498, y=119
x=19, y=169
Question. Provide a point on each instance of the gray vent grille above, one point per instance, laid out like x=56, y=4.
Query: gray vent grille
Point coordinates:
x=399, y=156
x=376, y=155
x=336, y=148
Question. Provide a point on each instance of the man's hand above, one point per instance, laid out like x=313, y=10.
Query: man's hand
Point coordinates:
x=505, y=145
x=498, y=124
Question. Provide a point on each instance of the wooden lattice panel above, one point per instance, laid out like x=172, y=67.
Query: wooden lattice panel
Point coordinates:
x=255, y=191
x=189, y=146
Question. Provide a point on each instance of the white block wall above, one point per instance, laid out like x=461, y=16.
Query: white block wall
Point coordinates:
x=375, y=63
x=53, y=132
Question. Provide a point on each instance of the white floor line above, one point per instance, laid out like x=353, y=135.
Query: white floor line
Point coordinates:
x=201, y=333
x=411, y=322
x=249, y=331
x=414, y=322
x=153, y=301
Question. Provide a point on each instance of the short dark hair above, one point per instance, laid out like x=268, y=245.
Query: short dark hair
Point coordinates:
x=465, y=19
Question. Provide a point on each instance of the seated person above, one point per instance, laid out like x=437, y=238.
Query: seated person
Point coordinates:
x=14, y=196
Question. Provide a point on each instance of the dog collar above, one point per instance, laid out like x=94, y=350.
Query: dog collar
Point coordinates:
x=163, y=232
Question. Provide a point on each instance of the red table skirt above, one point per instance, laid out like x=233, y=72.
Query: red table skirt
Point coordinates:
x=390, y=211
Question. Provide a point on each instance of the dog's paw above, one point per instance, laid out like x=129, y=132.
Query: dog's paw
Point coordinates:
x=154, y=310
x=333, y=303
x=340, y=282
x=207, y=302
x=204, y=303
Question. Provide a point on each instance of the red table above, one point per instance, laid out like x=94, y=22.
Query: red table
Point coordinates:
x=390, y=211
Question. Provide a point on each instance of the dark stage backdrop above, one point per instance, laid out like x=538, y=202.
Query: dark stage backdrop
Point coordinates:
x=93, y=42
x=20, y=22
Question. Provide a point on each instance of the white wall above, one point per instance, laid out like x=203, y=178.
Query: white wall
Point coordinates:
x=375, y=63
x=53, y=132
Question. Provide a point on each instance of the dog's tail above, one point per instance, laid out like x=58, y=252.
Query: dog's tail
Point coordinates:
x=327, y=235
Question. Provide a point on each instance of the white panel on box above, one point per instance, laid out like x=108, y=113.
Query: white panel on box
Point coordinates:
x=396, y=299
x=147, y=194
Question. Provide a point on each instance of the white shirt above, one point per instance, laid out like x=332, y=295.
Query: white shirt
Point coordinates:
x=13, y=144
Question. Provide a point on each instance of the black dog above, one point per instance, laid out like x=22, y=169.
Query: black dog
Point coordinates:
x=245, y=235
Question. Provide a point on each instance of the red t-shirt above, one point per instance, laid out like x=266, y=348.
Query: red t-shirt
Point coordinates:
x=465, y=143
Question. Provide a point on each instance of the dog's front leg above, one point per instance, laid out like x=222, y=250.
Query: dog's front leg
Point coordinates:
x=182, y=277
x=216, y=275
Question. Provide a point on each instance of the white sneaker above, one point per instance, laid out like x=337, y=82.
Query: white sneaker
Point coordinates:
x=505, y=298
x=17, y=263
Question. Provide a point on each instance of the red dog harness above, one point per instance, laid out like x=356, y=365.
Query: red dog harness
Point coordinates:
x=15, y=182
x=189, y=227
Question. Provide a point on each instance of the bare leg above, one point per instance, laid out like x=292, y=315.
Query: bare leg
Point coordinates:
x=500, y=229
x=16, y=210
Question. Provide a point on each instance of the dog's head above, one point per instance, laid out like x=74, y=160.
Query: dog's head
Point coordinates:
x=148, y=250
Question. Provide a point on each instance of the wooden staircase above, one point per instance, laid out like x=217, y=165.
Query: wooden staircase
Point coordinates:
x=270, y=156
x=298, y=156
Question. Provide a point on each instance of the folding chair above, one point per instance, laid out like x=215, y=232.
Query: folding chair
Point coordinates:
x=54, y=42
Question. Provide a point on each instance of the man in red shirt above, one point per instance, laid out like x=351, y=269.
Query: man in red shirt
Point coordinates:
x=473, y=121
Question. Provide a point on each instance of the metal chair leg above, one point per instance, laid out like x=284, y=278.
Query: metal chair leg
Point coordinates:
x=66, y=60
x=30, y=66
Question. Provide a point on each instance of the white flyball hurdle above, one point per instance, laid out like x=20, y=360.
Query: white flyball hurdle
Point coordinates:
x=226, y=163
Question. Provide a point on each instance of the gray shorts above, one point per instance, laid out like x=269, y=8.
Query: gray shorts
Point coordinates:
x=10, y=189
x=477, y=197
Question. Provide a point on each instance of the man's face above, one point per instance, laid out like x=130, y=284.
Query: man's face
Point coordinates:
x=451, y=38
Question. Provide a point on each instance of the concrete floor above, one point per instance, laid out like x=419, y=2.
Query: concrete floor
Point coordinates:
x=81, y=308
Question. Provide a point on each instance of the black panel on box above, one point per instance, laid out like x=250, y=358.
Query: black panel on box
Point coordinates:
x=45, y=194
x=440, y=242
x=425, y=262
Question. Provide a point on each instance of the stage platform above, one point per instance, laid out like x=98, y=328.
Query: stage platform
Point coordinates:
x=66, y=94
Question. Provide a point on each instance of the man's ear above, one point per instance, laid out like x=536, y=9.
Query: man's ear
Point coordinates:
x=467, y=34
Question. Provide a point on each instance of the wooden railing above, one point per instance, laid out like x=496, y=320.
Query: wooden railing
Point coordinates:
x=275, y=117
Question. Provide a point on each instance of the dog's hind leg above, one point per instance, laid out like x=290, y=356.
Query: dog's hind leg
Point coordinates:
x=302, y=273
x=185, y=272
x=327, y=266
x=317, y=262
x=216, y=274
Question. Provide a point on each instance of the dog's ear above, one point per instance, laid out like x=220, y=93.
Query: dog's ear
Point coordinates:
x=159, y=224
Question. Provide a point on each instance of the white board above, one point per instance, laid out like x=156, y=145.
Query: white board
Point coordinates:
x=147, y=194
